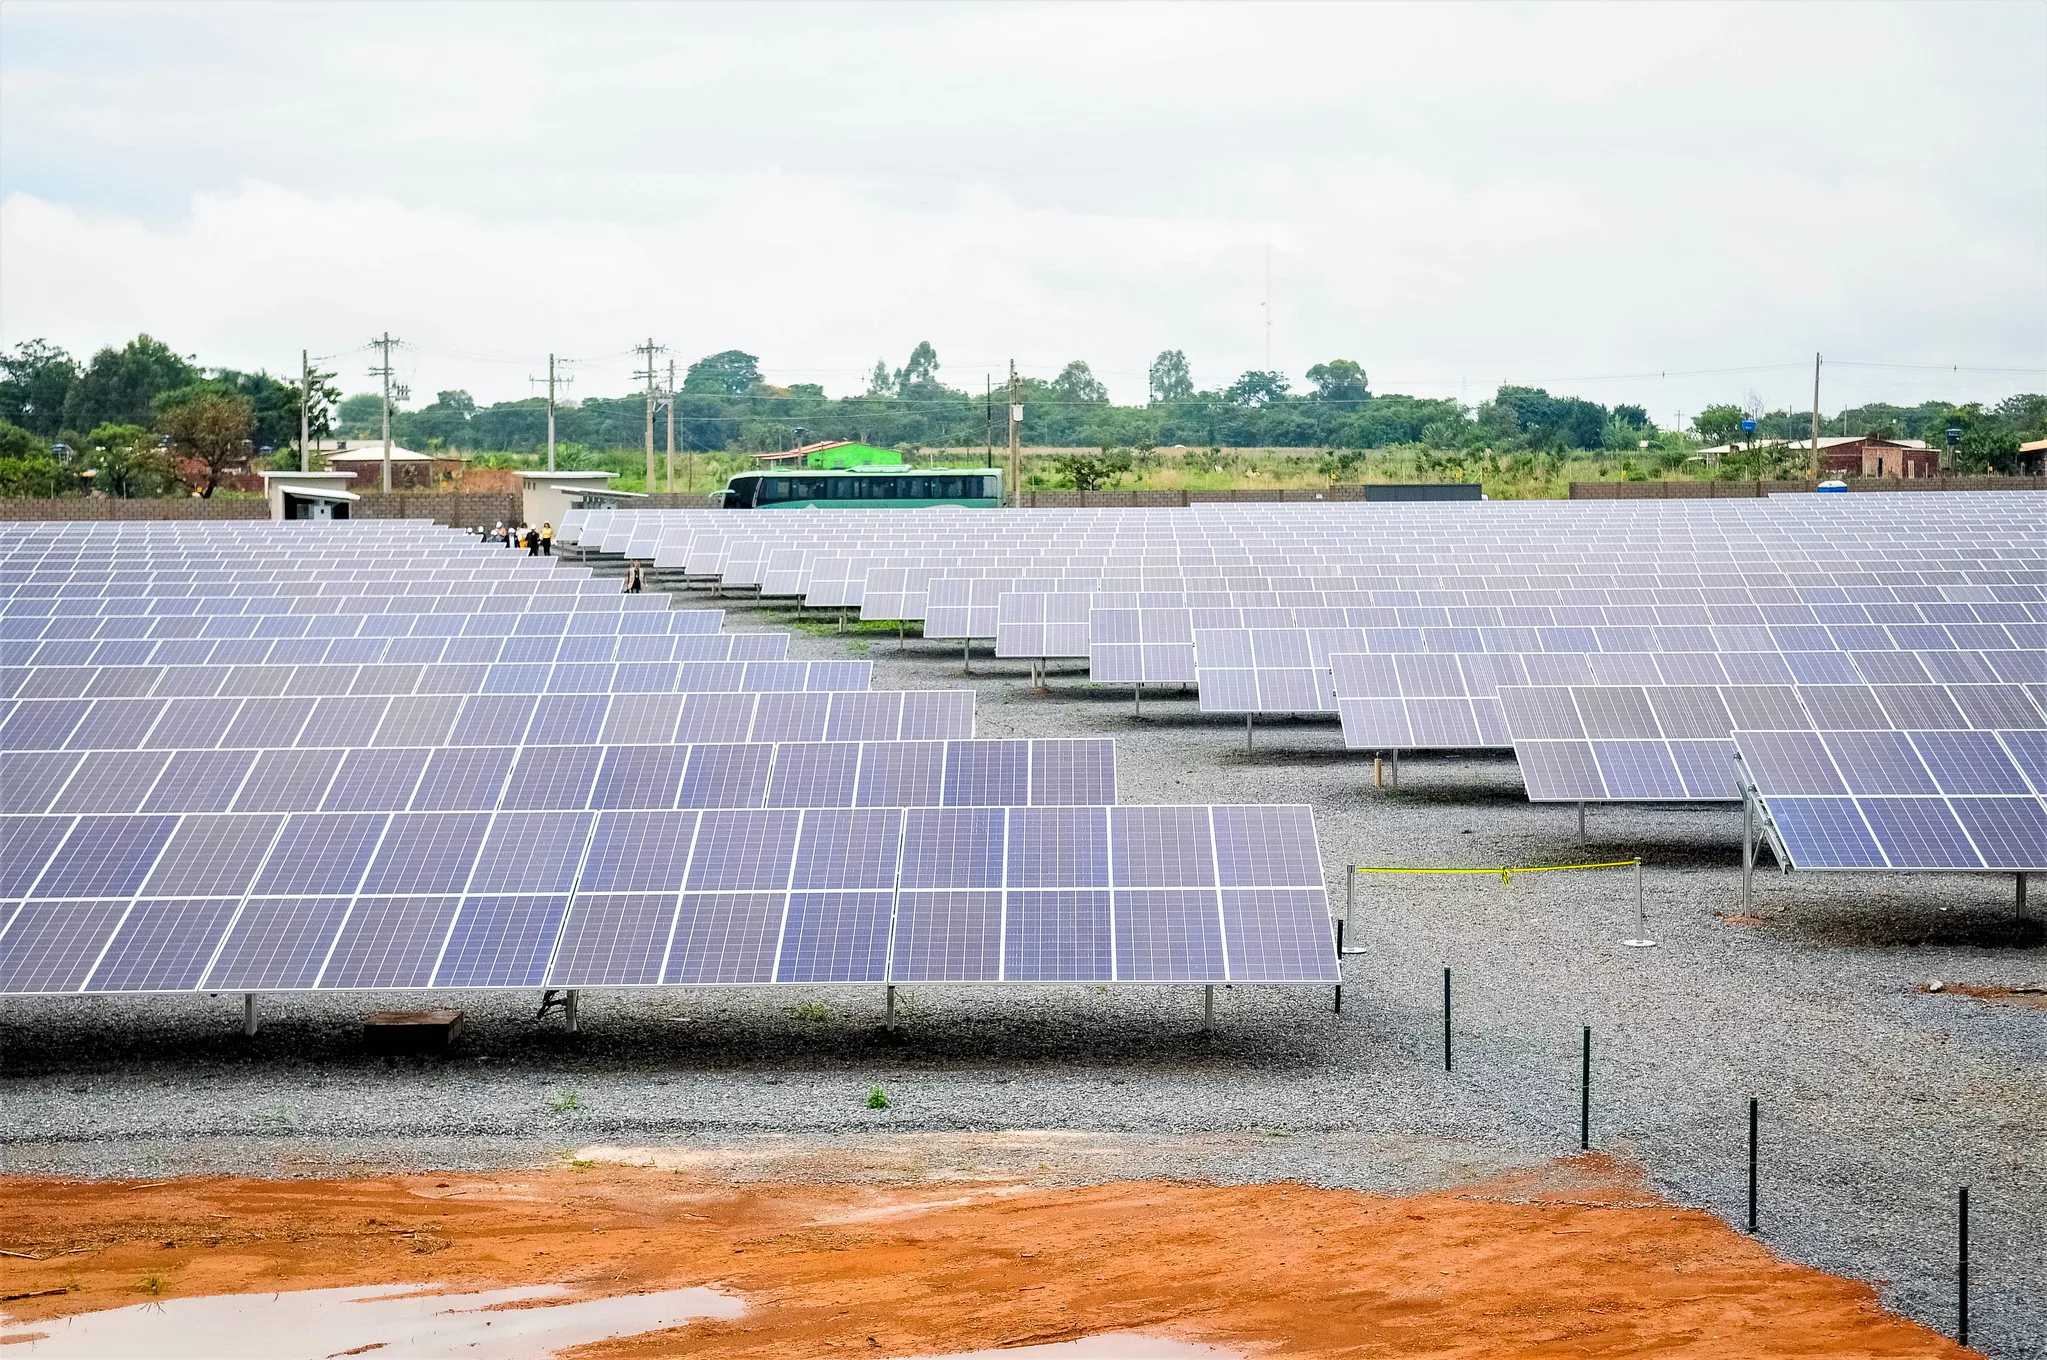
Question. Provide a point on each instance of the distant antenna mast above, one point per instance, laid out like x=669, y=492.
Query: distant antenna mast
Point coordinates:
x=1268, y=309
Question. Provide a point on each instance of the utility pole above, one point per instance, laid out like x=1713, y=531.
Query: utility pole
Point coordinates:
x=671, y=427
x=384, y=371
x=649, y=373
x=1015, y=439
x=1815, y=417
x=989, y=380
x=550, y=405
x=305, y=411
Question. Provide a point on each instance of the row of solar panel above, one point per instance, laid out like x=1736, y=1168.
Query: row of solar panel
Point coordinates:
x=689, y=677
x=1179, y=894
x=1855, y=800
x=1413, y=674
x=498, y=623
x=1456, y=603
x=612, y=601
x=486, y=778
x=399, y=651
x=485, y=720
x=144, y=589
x=1681, y=770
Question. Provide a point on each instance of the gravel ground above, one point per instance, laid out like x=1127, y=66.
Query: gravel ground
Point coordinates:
x=1878, y=1098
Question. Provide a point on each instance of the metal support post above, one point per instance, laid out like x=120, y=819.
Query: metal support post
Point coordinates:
x=890, y=1022
x=1641, y=940
x=1350, y=890
x=1208, y=1008
x=1137, y=700
x=2019, y=900
x=575, y=1023
x=1581, y=821
x=249, y=1021
x=1396, y=768
x=1247, y=731
x=966, y=653
x=1748, y=850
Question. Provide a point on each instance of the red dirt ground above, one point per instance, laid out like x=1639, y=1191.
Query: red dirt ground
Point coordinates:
x=1576, y=1259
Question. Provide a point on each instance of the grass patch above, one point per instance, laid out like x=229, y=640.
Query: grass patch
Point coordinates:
x=151, y=1284
x=814, y=1011
x=877, y=1099
x=825, y=625
x=564, y=1101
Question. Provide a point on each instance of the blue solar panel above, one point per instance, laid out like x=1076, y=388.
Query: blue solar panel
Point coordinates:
x=502, y=941
x=614, y=939
x=164, y=945
x=948, y=936
x=835, y=937
x=1168, y=935
x=390, y=942
x=278, y=944
x=1057, y=936
x=725, y=937
x=52, y=946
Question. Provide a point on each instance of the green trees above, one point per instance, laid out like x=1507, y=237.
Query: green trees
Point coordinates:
x=127, y=460
x=731, y=373
x=1718, y=424
x=34, y=381
x=1340, y=382
x=208, y=435
x=120, y=386
x=1077, y=385
x=1170, y=378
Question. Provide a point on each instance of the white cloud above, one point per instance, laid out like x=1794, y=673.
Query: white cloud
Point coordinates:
x=1455, y=196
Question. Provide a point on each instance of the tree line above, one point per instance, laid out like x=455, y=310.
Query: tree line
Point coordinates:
x=145, y=420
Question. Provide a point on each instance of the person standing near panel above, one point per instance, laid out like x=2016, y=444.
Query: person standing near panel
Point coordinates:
x=532, y=541
x=547, y=539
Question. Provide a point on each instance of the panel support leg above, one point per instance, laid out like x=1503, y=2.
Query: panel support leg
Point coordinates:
x=2019, y=898
x=575, y=1024
x=967, y=656
x=1137, y=700
x=1247, y=731
x=249, y=1020
x=889, y=1022
x=1396, y=767
x=1208, y=1008
x=1748, y=852
x=1581, y=821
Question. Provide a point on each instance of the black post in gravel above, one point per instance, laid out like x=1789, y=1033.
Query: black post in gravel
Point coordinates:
x=1962, y=1273
x=1339, y=967
x=1446, y=1018
x=1585, y=1096
x=1751, y=1163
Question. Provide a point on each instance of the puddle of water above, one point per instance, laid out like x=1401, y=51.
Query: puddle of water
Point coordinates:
x=1111, y=1346
x=378, y=1321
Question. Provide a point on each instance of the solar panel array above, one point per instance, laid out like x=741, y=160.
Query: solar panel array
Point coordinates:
x=635, y=898
x=1418, y=623
x=517, y=777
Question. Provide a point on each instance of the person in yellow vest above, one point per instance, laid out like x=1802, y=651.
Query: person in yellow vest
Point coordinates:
x=547, y=539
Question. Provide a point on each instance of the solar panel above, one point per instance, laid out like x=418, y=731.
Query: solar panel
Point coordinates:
x=1937, y=800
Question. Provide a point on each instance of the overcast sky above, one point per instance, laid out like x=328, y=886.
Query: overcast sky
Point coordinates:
x=1569, y=196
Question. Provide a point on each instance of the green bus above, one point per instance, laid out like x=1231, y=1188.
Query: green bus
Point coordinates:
x=884, y=488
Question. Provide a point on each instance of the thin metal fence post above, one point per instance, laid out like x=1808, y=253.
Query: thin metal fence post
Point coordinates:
x=1585, y=1095
x=1751, y=1163
x=1962, y=1273
x=1446, y=1017
x=1748, y=849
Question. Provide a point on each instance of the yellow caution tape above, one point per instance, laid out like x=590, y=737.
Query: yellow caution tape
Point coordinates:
x=1505, y=872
